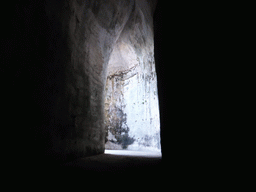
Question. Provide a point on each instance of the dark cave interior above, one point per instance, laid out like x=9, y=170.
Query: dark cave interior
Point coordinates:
x=43, y=55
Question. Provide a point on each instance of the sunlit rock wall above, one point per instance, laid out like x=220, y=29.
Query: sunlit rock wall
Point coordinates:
x=131, y=99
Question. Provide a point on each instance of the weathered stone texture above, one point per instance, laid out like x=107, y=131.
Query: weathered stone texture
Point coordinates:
x=86, y=32
x=93, y=27
x=62, y=49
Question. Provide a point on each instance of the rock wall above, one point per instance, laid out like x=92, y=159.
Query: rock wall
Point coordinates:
x=91, y=29
x=56, y=53
x=131, y=99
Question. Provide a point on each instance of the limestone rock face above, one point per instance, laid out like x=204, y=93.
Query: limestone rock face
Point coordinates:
x=93, y=28
x=83, y=35
x=131, y=99
x=85, y=65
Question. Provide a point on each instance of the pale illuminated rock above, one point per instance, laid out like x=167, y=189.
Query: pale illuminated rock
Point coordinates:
x=131, y=99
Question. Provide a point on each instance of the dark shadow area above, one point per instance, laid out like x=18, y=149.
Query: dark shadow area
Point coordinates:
x=35, y=79
x=115, y=164
x=114, y=168
x=134, y=172
x=162, y=71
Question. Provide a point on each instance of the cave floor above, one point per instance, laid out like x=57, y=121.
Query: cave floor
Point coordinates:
x=116, y=165
x=113, y=167
x=116, y=162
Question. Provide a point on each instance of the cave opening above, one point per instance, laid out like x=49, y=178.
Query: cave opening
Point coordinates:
x=131, y=106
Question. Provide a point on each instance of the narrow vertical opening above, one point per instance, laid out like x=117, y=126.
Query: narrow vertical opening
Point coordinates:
x=132, y=121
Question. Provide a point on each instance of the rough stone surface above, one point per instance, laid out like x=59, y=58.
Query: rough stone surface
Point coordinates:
x=90, y=30
x=62, y=50
x=131, y=99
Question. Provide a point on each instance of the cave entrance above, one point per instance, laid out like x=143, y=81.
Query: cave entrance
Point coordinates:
x=132, y=119
x=131, y=100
